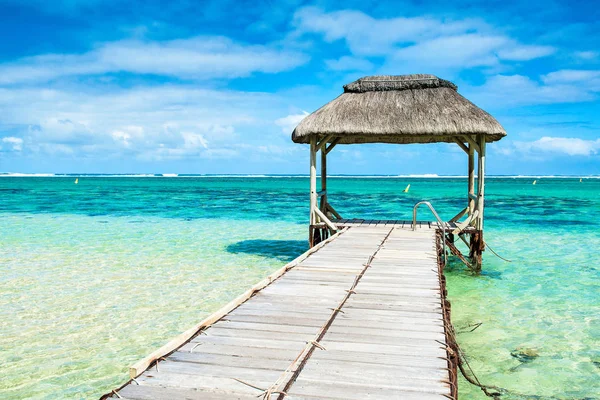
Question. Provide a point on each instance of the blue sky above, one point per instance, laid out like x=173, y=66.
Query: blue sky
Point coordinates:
x=217, y=86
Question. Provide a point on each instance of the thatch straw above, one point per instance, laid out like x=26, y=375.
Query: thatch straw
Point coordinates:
x=399, y=109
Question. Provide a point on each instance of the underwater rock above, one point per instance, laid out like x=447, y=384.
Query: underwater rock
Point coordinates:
x=525, y=354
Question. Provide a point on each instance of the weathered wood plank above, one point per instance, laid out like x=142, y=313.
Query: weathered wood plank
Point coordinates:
x=352, y=391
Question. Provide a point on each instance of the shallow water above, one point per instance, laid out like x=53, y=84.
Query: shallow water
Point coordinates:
x=95, y=276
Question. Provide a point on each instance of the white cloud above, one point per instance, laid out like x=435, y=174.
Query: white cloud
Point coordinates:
x=194, y=141
x=202, y=57
x=347, y=63
x=515, y=90
x=127, y=135
x=290, y=122
x=469, y=50
x=62, y=129
x=590, y=78
x=519, y=52
x=15, y=143
x=146, y=123
x=586, y=55
x=568, y=146
x=422, y=42
x=369, y=36
x=552, y=146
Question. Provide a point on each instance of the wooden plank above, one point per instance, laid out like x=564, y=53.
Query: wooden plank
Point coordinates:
x=193, y=381
x=376, y=360
x=406, y=378
x=325, y=366
x=352, y=391
x=238, y=351
x=246, y=361
x=145, y=392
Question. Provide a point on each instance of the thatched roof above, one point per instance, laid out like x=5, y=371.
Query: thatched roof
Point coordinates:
x=399, y=109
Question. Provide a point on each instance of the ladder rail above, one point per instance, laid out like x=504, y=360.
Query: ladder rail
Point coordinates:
x=437, y=217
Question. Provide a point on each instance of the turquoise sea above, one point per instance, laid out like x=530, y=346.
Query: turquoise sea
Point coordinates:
x=95, y=276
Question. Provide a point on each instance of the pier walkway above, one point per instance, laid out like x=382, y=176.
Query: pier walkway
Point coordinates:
x=359, y=316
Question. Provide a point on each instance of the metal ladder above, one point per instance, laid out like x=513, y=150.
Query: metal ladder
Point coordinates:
x=441, y=223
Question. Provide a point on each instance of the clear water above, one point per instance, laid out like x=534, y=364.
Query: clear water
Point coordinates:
x=95, y=276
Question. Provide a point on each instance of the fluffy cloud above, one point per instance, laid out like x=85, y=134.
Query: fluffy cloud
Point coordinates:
x=14, y=143
x=553, y=146
x=127, y=135
x=586, y=55
x=591, y=78
x=518, y=90
x=290, y=122
x=147, y=123
x=569, y=146
x=201, y=57
x=514, y=51
x=369, y=36
x=468, y=50
x=347, y=63
x=417, y=41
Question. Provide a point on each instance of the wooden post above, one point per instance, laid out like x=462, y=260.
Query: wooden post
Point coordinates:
x=325, y=232
x=313, y=188
x=481, y=181
x=471, y=179
x=324, y=180
x=477, y=244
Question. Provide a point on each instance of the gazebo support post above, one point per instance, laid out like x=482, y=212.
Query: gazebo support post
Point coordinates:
x=323, y=204
x=477, y=244
x=471, y=180
x=321, y=211
x=313, y=190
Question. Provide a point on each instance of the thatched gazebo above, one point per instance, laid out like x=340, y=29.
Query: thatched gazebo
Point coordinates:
x=399, y=109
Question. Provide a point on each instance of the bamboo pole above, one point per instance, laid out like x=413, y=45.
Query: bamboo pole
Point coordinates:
x=332, y=145
x=323, y=143
x=472, y=142
x=477, y=244
x=462, y=145
x=326, y=220
x=333, y=211
x=324, y=181
x=460, y=214
x=471, y=179
x=313, y=187
x=481, y=181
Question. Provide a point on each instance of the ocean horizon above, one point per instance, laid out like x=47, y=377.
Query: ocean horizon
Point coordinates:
x=183, y=175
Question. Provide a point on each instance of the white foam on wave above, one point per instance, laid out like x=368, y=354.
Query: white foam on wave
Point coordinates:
x=19, y=174
x=548, y=176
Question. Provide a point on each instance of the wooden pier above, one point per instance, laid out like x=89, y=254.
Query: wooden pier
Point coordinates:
x=363, y=313
x=360, y=315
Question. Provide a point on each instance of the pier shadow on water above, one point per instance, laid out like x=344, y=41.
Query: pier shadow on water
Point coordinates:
x=284, y=250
